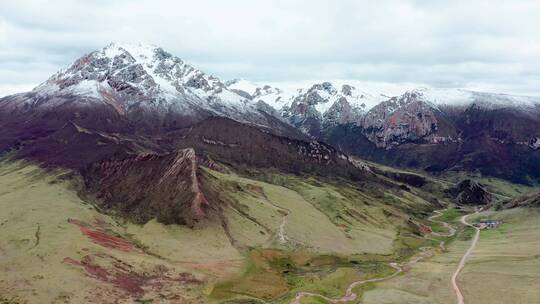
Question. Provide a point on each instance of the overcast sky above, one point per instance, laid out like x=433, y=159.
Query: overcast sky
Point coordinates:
x=483, y=45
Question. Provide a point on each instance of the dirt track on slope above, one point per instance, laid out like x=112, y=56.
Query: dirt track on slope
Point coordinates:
x=461, y=264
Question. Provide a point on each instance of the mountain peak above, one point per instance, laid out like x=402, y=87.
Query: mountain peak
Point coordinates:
x=142, y=78
x=139, y=69
x=139, y=72
x=133, y=48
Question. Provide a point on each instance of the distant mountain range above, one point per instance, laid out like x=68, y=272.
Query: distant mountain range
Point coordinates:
x=132, y=98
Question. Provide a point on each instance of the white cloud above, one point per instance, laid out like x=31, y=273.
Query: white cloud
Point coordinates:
x=474, y=44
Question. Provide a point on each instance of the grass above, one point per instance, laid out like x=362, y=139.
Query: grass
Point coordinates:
x=337, y=233
x=11, y=300
x=501, y=189
x=314, y=300
x=504, y=267
x=450, y=216
x=312, y=222
x=278, y=275
x=265, y=276
x=506, y=260
x=340, y=227
x=209, y=250
x=36, y=238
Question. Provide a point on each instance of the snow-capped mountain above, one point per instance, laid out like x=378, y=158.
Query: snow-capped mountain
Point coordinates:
x=464, y=98
x=123, y=97
x=431, y=115
x=426, y=127
x=310, y=108
x=440, y=129
x=142, y=91
x=276, y=98
x=324, y=104
x=418, y=115
x=131, y=77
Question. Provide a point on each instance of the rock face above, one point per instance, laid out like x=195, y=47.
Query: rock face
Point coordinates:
x=401, y=119
x=440, y=130
x=534, y=143
x=311, y=109
x=323, y=105
x=431, y=129
x=470, y=192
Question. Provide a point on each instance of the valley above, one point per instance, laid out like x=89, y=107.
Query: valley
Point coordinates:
x=130, y=176
x=282, y=240
x=103, y=258
x=429, y=281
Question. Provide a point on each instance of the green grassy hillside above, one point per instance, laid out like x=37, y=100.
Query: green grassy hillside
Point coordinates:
x=295, y=232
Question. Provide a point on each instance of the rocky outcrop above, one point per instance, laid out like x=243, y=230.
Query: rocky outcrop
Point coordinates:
x=470, y=192
x=399, y=120
x=341, y=112
x=323, y=105
x=530, y=199
x=534, y=143
x=303, y=113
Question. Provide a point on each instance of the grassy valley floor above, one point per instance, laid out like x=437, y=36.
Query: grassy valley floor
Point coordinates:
x=504, y=267
x=273, y=239
x=277, y=235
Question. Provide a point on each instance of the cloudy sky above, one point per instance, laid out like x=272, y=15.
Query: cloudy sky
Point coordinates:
x=483, y=45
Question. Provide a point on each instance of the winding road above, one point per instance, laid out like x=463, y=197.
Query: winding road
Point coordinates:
x=461, y=264
x=351, y=296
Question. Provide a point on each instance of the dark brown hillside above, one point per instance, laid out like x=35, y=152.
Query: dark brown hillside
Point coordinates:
x=491, y=152
x=145, y=175
x=530, y=199
x=243, y=146
x=168, y=187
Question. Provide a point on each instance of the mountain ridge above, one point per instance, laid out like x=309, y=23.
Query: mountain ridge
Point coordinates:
x=143, y=91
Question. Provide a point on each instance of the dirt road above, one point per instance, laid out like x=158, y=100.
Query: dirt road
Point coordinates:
x=459, y=295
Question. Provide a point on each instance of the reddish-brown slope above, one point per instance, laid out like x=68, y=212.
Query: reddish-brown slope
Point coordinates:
x=169, y=187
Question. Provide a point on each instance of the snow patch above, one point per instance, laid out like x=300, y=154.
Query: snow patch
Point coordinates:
x=465, y=98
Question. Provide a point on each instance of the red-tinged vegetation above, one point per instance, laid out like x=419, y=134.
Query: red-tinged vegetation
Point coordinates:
x=425, y=229
x=108, y=269
x=106, y=240
x=103, y=238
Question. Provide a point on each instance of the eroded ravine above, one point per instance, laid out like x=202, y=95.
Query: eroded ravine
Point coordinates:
x=281, y=233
